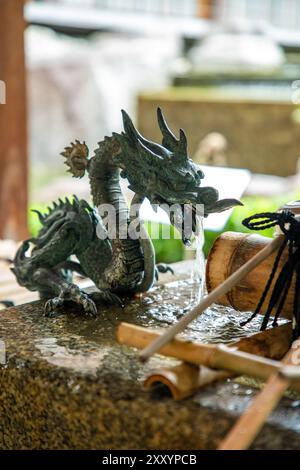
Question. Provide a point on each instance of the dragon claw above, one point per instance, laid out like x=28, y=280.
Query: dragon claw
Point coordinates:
x=107, y=297
x=88, y=304
x=114, y=299
x=163, y=268
x=51, y=306
x=74, y=294
x=90, y=308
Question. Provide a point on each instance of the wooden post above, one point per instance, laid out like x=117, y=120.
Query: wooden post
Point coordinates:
x=204, y=9
x=13, y=132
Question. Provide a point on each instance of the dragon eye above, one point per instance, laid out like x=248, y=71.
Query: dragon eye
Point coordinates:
x=188, y=177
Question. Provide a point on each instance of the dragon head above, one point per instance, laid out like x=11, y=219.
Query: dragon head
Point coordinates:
x=165, y=174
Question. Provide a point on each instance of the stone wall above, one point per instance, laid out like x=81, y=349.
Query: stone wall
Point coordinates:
x=262, y=136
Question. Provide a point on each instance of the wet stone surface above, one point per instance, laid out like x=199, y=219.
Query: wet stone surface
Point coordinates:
x=67, y=384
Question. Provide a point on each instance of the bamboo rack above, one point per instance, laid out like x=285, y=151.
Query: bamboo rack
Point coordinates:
x=251, y=422
x=234, y=358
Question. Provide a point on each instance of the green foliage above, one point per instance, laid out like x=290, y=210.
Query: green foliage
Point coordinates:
x=167, y=250
x=33, y=220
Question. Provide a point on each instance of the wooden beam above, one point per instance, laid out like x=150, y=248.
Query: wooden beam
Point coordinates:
x=13, y=131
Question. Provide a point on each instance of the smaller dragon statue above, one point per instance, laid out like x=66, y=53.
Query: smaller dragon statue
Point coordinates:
x=75, y=236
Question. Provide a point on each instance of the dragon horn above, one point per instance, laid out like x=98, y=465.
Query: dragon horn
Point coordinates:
x=169, y=139
x=151, y=156
x=40, y=215
x=129, y=128
x=181, y=150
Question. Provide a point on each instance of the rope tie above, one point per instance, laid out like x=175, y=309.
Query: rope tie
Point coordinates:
x=290, y=227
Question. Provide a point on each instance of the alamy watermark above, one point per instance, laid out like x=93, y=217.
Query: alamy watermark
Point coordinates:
x=186, y=218
x=2, y=92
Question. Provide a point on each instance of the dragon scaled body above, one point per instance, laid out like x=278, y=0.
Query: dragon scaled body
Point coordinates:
x=71, y=229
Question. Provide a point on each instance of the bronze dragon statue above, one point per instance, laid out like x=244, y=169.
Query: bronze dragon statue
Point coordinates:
x=118, y=265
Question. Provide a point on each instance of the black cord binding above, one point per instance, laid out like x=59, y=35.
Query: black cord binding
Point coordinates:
x=290, y=271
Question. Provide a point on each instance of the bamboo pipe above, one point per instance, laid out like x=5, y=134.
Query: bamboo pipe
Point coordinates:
x=229, y=252
x=185, y=379
x=208, y=355
x=251, y=422
x=212, y=297
x=181, y=380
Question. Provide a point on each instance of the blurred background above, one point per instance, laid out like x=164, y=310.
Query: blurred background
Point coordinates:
x=227, y=71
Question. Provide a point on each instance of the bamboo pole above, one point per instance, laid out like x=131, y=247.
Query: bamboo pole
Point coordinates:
x=211, y=298
x=212, y=356
x=251, y=422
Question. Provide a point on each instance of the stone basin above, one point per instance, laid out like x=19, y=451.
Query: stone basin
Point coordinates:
x=65, y=383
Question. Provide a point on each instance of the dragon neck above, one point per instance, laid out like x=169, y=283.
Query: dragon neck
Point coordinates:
x=104, y=178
